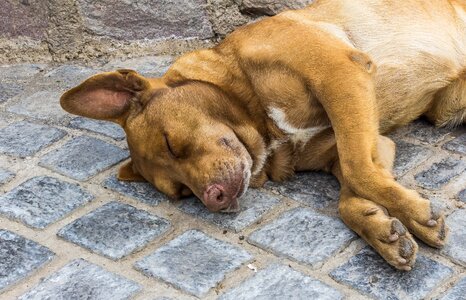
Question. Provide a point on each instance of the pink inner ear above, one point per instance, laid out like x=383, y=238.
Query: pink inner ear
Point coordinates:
x=101, y=103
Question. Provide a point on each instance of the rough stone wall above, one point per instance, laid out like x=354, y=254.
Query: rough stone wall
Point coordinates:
x=62, y=30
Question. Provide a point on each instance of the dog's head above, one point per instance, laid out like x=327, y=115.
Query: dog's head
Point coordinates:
x=183, y=139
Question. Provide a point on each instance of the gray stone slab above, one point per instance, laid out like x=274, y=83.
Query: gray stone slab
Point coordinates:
x=18, y=19
x=457, y=145
x=25, y=139
x=42, y=105
x=253, y=205
x=67, y=76
x=83, y=157
x=20, y=72
x=81, y=279
x=409, y=156
x=151, y=19
x=43, y=200
x=270, y=8
x=425, y=132
x=9, y=90
x=193, y=262
x=304, y=236
x=103, y=127
x=316, y=189
x=115, y=230
x=462, y=195
x=141, y=191
x=370, y=274
x=281, y=282
x=19, y=257
x=5, y=176
x=457, y=292
x=149, y=66
x=441, y=173
x=455, y=247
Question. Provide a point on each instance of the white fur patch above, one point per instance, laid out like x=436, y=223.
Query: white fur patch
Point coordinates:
x=296, y=135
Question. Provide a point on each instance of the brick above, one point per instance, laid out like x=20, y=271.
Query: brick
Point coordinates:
x=441, y=173
x=409, y=156
x=83, y=157
x=152, y=19
x=462, y=195
x=318, y=190
x=67, y=76
x=23, y=139
x=141, y=191
x=304, y=236
x=115, y=230
x=5, y=176
x=23, y=19
x=81, y=279
x=253, y=205
x=9, y=90
x=455, y=247
x=42, y=105
x=193, y=262
x=19, y=258
x=370, y=274
x=149, y=66
x=425, y=132
x=103, y=127
x=457, y=145
x=43, y=200
x=281, y=282
x=457, y=292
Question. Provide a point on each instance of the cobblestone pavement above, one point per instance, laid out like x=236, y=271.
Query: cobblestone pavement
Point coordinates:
x=69, y=229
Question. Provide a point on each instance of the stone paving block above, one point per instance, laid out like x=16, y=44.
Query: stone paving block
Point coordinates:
x=67, y=76
x=303, y=235
x=149, y=66
x=458, y=292
x=253, y=205
x=5, y=176
x=25, y=139
x=426, y=132
x=83, y=157
x=19, y=257
x=455, y=247
x=8, y=90
x=462, y=195
x=115, y=230
x=43, y=200
x=103, y=127
x=20, y=72
x=441, y=173
x=281, y=282
x=141, y=191
x=81, y=279
x=458, y=144
x=193, y=262
x=369, y=273
x=43, y=105
x=316, y=189
x=151, y=19
x=18, y=19
x=409, y=156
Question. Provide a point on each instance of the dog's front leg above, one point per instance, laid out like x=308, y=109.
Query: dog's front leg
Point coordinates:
x=349, y=99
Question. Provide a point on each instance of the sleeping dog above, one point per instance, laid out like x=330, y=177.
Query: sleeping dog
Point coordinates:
x=311, y=89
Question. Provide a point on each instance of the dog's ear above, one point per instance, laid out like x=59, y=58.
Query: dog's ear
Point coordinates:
x=128, y=173
x=106, y=96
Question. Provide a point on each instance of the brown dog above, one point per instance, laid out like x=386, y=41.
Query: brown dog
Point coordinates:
x=299, y=91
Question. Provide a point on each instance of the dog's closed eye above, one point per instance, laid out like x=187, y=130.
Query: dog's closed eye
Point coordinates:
x=170, y=147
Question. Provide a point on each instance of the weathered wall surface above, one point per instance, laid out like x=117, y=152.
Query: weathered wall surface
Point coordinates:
x=61, y=30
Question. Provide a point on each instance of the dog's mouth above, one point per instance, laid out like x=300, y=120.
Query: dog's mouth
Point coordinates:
x=242, y=189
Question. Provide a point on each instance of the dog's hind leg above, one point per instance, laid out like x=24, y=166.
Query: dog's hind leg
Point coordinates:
x=449, y=104
x=386, y=234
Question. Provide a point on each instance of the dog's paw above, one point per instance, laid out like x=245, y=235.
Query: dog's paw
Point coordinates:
x=427, y=222
x=393, y=242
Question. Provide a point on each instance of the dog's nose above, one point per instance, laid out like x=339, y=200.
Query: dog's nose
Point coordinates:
x=215, y=198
